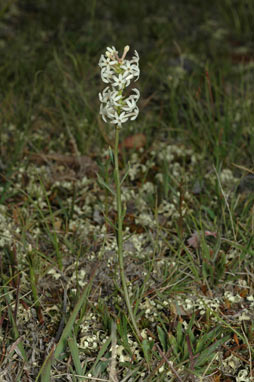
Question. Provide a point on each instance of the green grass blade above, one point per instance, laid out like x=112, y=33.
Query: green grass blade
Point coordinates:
x=46, y=367
x=75, y=356
x=209, y=352
x=162, y=337
x=207, y=338
x=15, y=331
x=101, y=353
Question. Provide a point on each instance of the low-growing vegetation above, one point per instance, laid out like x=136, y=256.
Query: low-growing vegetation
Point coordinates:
x=188, y=195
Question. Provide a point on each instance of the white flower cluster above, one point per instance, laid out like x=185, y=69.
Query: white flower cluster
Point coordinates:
x=118, y=73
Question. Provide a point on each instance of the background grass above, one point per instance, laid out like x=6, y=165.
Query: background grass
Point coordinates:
x=189, y=196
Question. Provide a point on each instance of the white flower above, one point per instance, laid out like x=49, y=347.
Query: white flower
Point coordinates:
x=104, y=112
x=112, y=52
x=115, y=97
x=118, y=73
x=106, y=61
x=107, y=74
x=105, y=95
x=120, y=118
x=130, y=102
x=134, y=114
x=131, y=69
x=120, y=81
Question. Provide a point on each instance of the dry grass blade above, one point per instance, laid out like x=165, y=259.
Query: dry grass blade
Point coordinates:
x=250, y=354
x=226, y=202
x=169, y=364
x=112, y=372
x=243, y=168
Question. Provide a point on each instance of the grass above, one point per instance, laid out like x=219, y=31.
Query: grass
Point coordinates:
x=188, y=229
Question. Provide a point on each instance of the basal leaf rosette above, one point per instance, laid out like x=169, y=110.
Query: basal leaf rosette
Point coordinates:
x=116, y=108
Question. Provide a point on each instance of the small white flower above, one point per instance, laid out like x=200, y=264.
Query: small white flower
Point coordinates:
x=120, y=81
x=105, y=95
x=134, y=114
x=115, y=97
x=106, y=61
x=130, y=102
x=131, y=69
x=118, y=119
x=112, y=52
x=107, y=74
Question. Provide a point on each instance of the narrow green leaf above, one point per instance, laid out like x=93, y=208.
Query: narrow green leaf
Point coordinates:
x=122, y=329
x=101, y=353
x=147, y=347
x=246, y=249
x=206, y=355
x=179, y=333
x=206, y=338
x=125, y=175
x=191, y=336
x=15, y=331
x=111, y=156
x=104, y=184
x=110, y=222
x=44, y=371
x=185, y=350
x=190, y=325
x=162, y=337
x=75, y=356
x=173, y=344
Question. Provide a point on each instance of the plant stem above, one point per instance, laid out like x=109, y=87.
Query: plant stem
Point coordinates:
x=120, y=233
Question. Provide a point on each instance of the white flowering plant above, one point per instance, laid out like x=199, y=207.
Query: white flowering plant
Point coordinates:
x=117, y=108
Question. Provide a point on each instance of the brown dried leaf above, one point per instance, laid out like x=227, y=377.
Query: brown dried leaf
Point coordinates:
x=195, y=238
x=134, y=142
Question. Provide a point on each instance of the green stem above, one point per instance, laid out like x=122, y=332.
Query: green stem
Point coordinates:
x=120, y=233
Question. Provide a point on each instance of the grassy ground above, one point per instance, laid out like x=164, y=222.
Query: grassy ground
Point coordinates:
x=189, y=222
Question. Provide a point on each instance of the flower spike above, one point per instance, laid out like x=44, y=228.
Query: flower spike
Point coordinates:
x=118, y=74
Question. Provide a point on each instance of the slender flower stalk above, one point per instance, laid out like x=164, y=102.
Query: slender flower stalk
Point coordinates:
x=117, y=109
x=120, y=233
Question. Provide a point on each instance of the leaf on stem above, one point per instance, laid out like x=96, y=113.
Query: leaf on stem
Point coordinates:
x=104, y=184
